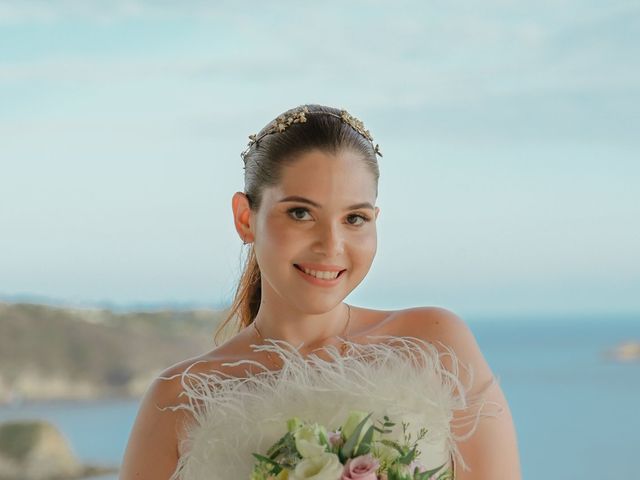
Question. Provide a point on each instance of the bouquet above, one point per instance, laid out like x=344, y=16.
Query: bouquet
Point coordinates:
x=357, y=450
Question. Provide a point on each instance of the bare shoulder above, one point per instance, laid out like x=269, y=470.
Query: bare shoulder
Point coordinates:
x=446, y=330
x=428, y=323
x=153, y=448
x=492, y=451
x=435, y=323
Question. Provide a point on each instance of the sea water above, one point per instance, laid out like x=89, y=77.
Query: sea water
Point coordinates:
x=574, y=409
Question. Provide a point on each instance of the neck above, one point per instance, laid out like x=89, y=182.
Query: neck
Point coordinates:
x=296, y=327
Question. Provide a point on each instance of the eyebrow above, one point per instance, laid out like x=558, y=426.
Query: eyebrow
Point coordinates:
x=296, y=198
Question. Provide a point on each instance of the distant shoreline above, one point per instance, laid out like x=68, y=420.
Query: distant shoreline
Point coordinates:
x=55, y=353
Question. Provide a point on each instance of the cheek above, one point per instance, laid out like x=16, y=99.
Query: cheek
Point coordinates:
x=366, y=247
x=277, y=237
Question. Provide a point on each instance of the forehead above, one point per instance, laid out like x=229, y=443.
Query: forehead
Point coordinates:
x=327, y=176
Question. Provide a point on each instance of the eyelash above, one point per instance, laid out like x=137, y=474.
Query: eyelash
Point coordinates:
x=363, y=217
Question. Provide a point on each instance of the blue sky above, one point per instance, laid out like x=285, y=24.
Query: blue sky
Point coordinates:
x=509, y=182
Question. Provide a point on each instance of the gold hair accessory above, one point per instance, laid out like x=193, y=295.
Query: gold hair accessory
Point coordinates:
x=283, y=122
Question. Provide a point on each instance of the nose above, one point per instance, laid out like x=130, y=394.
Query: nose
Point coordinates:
x=330, y=241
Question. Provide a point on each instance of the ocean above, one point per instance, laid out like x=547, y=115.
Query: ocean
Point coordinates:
x=575, y=411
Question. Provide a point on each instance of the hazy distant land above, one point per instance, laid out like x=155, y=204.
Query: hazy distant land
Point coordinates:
x=70, y=353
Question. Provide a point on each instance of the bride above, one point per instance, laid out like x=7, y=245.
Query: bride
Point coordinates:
x=308, y=217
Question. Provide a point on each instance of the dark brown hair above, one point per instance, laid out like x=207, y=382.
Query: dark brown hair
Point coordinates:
x=264, y=163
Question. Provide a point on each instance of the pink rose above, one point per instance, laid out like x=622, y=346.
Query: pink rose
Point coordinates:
x=361, y=468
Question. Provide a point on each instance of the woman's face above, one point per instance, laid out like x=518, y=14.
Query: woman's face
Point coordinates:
x=338, y=232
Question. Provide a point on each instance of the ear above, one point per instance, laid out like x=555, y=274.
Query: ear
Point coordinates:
x=242, y=216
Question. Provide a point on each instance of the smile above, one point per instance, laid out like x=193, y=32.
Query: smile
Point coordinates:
x=319, y=277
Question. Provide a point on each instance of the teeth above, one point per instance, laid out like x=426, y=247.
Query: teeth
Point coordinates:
x=320, y=274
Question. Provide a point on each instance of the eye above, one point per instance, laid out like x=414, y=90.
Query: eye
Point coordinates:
x=364, y=219
x=292, y=214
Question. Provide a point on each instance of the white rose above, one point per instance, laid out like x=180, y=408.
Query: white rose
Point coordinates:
x=311, y=440
x=326, y=466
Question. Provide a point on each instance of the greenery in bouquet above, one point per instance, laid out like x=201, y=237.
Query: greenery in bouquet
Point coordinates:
x=357, y=449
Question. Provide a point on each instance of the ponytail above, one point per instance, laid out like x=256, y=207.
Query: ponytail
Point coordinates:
x=246, y=301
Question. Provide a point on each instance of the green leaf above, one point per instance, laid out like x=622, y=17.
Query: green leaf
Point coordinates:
x=427, y=474
x=408, y=457
x=278, y=445
x=365, y=444
x=276, y=466
x=392, y=444
x=347, y=449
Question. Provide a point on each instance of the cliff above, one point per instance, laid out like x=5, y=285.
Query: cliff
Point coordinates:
x=36, y=450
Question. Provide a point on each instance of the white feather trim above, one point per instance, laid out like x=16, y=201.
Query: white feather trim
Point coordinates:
x=402, y=377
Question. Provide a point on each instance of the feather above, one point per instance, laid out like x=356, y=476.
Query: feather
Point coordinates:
x=402, y=377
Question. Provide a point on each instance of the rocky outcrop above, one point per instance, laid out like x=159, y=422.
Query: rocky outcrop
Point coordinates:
x=36, y=450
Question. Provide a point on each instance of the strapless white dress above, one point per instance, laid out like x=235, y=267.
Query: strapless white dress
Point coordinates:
x=401, y=377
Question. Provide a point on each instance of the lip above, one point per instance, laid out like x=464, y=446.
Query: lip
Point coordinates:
x=321, y=267
x=319, y=281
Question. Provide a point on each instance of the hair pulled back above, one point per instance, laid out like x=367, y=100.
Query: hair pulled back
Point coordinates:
x=264, y=163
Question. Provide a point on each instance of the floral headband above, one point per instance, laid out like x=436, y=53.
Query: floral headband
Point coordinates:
x=281, y=123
